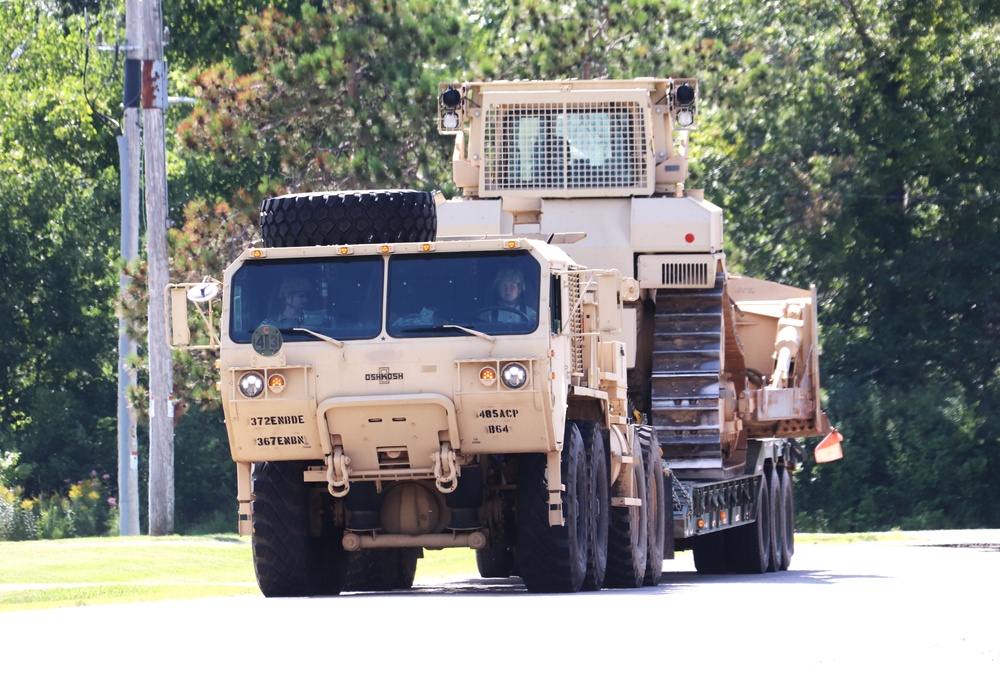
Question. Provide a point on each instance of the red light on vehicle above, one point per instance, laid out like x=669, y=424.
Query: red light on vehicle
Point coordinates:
x=689, y=238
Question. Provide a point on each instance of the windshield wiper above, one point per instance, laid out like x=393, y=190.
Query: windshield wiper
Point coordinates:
x=329, y=339
x=442, y=327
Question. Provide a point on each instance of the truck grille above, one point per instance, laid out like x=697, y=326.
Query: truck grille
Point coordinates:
x=565, y=147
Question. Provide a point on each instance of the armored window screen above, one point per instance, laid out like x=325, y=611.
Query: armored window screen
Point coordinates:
x=579, y=146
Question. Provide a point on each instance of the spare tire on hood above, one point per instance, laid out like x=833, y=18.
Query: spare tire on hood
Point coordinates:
x=361, y=217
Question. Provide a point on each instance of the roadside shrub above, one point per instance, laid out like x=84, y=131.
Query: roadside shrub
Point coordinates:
x=16, y=520
x=86, y=510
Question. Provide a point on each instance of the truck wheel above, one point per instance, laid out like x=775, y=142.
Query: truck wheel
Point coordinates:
x=657, y=508
x=787, y=540
x=495, y=562
x=287, y=560
x=553, y=558
x=777, y=521
x=330, y=218
x=599, y=492
x=628, y=539
x=750, y=551
x=710, y=553
x=381, y=570
x=407, y=567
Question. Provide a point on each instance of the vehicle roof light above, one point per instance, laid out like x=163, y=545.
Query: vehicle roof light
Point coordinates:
x=451, y=97
x=684, y=94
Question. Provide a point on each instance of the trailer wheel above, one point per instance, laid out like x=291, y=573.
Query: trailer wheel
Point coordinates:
x=749, y=547
x=381, y=570
x=628, y=539
x=553, y=558
x=657, y=512
x=710, y=553
x=330, y=218
x=777, y=521
x=495, y=562
x=598, y=486
x=787, y=540
x=287, y=560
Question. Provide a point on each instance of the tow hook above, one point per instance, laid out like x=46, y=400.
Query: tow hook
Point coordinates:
x=337, y=470
x=445, y=469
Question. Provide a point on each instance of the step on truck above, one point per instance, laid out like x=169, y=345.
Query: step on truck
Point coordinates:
x=554, y=368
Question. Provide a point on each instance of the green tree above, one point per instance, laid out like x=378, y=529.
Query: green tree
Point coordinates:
x=58, y=221
x=588, y=39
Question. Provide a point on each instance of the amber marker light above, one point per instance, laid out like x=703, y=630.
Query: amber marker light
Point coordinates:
x=426, y=247
x=258, y=253
x=701, y=523
x=344, y=250
x=276, y=382
x=488, y=376
x=386, y=248
x=511, y=244
x=722, y=515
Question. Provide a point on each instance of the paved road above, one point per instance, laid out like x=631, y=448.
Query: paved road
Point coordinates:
x=922, y=610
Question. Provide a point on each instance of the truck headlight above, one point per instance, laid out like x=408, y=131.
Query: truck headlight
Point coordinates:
x=514, y=375
x=251, y=384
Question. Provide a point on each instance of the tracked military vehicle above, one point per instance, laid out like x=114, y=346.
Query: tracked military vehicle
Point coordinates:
x=554, y=368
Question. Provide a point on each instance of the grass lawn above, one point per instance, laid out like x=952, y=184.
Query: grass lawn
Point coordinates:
x=50, y=573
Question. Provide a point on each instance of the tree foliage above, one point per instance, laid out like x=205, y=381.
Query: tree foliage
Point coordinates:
x=58, y=221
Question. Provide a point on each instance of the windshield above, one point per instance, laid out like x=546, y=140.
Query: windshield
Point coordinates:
x=337, y=297
x=436, y=294
x=432, y=294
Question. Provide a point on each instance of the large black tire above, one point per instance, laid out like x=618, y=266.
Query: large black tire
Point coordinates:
x=381, y=570
x=710, y=552
x=599, y=493
x=407, y=567
x=287, y=560
x=656, y=515
x=787, y=540
x=495, y=562
x=748, y=548
x=777, y=520
x=553, y=558
x=330, y=218
x=628, y=539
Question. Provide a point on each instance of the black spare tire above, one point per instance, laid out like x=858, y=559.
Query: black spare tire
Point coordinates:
x=330, y=218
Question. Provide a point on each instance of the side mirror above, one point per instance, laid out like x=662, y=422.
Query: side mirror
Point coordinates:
x=179, y=298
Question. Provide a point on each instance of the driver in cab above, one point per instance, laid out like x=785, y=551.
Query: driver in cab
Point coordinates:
x=511, y=306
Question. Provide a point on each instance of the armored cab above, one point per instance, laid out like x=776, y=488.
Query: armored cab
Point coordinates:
x=600, y=166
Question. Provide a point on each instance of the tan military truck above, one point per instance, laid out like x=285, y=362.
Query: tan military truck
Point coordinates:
x=534, y=370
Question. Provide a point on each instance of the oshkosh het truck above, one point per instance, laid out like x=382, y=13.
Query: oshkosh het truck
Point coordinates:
x=548, y=368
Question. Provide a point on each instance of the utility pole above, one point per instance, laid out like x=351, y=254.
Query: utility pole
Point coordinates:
x=161, y=412
x=129, y=150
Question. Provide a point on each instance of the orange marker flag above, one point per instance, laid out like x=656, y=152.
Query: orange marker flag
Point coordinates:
x=829, y=450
